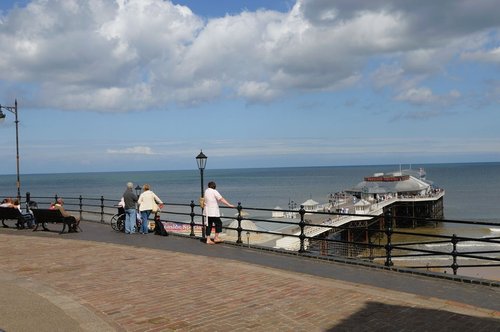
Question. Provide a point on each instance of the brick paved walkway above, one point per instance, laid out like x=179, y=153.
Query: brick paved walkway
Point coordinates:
x=140, y=289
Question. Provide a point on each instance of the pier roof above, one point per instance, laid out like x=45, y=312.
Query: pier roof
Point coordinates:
x=310, y=202
x=403, y=185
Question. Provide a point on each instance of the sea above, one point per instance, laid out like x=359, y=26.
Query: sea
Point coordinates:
x=472, y=189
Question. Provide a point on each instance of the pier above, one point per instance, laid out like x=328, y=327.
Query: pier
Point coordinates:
x=408, y=196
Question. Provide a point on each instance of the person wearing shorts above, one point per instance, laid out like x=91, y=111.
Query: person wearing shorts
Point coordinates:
x=212, y=212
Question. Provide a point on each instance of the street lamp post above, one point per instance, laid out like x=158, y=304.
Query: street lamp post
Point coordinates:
x=137, y=190
x=201, y=160
x=13, y=110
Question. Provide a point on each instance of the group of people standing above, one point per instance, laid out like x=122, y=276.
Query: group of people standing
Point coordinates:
x=149, y=202
x=146, y=203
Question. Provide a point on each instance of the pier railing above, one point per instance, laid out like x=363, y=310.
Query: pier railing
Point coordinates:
x=374, y=239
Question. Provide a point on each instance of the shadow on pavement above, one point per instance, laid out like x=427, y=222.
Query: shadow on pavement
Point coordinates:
x=377, y=316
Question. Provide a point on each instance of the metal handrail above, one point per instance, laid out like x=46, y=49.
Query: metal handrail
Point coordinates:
x=385, y=253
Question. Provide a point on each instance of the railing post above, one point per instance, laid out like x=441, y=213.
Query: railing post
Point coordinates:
x=302, y=225
x=454, y=265
x=192, y=205
x=28, y=200
x=203, y=231
x=55, y=198
x=239, y=218
x=102, y=209
x=370, y=246
x=388, y=232
x=81, y=206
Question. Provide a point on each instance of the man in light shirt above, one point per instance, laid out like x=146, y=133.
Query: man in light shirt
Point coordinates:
x=212, y=212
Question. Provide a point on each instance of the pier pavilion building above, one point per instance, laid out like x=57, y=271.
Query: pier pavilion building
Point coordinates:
x=407, y=194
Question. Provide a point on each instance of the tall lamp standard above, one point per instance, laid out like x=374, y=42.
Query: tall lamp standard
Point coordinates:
x=13, y=110
x=137, y=190
x=201, y=160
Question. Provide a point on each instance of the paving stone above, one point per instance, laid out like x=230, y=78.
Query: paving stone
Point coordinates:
x=133, y=288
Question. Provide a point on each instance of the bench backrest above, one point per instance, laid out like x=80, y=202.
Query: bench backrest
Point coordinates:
x=47, y=215
x=9, y=213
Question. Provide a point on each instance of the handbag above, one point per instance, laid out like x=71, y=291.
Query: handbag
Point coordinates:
x=155, y=208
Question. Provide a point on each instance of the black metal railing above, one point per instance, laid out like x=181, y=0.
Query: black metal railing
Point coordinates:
x=356, y=238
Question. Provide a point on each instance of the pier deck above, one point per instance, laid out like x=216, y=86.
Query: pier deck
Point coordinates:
x=373, y=209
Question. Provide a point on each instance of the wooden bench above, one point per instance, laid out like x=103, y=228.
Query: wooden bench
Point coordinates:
x=9, y=213
x=45, y=216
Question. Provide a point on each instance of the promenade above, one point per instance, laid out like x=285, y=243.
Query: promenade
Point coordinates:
x=101, y=280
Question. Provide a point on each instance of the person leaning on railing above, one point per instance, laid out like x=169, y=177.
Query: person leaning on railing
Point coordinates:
x=212, y=212
x=148, y=202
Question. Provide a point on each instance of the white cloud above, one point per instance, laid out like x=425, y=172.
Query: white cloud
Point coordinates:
x=492, y=56
x=424, y=95
x=417, y=96
x=257, y=91
x=119, y=55
x=351, y=145
x=135, y=150
x=425, y=60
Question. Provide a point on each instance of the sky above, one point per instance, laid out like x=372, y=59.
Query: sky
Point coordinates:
x=133, y=85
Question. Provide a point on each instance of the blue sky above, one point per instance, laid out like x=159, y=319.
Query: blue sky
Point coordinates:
x=109, y=85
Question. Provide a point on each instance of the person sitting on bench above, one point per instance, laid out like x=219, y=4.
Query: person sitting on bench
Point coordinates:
x=7, y=202
x=27, y=220
x=59, y=205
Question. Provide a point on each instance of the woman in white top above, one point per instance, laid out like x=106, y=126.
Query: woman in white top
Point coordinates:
x=147, y=201
x=212, y=212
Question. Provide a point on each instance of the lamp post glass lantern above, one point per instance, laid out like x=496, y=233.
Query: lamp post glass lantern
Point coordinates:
x=201, y=160
x=137, y=190
x=13, y=110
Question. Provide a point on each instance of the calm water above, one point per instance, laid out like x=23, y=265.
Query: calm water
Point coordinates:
x=472, y=190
